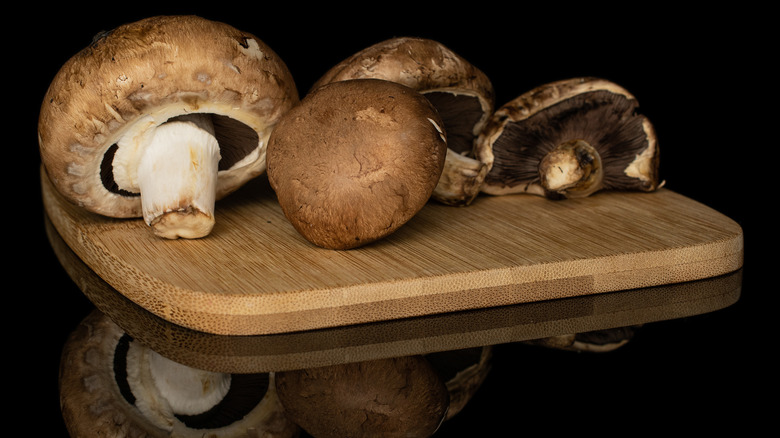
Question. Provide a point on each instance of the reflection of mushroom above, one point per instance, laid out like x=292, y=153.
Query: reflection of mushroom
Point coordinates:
x=463, y=371
x=161, y=117
x=461, y=93
x=400, y=397
x=596, y=341
x=569, y=139
x=355, y=160
x=110, y=385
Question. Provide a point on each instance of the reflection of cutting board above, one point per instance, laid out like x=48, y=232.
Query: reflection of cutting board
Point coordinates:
x=256, y=275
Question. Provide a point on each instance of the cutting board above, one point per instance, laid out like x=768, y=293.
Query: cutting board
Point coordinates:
x=399, y=337
x=256, y=275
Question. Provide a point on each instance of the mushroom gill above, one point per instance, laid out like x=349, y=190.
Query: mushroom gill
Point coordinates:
x=236, y=141
x=113, y=385
x=557, y=146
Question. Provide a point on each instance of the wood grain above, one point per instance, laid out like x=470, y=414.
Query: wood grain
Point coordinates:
x=399, y=337
x=255, y=275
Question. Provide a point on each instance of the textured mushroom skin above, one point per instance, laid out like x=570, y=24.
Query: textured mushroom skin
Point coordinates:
x=551, y=114
x=420, y=64
x=355, y=161
x=399, y=397
x=164, y=66
x=461, y=92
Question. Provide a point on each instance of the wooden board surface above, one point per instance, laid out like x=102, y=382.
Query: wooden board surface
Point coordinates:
x=255, y=275
x=400, y=337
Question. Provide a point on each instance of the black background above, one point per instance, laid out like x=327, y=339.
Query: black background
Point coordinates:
x=699, y=75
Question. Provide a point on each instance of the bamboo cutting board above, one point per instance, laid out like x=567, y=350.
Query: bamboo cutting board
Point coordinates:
x=256, y=275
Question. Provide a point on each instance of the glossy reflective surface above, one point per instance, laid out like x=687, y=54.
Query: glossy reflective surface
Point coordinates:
x=512, y=332
x=451, y=331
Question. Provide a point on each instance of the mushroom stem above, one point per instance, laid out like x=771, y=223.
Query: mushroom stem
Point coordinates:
x=460, y=180
x=164, y=388
x=177, y=177
x=572, y=169
x=188, y=391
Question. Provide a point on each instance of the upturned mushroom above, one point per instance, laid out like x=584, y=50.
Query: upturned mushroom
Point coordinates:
x=461, y=92
x=355, y=160
x=569, y=139
x=596, y=341
x=112, y=385
x=162, y=117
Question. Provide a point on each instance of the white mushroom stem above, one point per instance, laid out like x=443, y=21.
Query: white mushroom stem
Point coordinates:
x=188, y=391
x=164, y=388
x=572, y=169
x=177, y=177
x=461, y=179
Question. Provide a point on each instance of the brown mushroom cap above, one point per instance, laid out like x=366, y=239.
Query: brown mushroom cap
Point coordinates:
x=594, y=120
x=148, y=72
x=355, y=160
x=399, y=397
x=461, y=92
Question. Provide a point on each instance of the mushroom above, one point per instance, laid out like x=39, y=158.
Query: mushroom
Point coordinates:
x=112, y=385
x=162, y=117
x=355, y=160
x=397, y=397
x=596, y=341
x=463, y=372
x=570, y=139
x=462, y=94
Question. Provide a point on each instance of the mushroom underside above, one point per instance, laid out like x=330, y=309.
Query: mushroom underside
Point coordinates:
x=596, y=341
x=112, y=385
x=236, y=141
x=111, y=115
x=462, y=116
x=201, y=400
x=606, y=121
